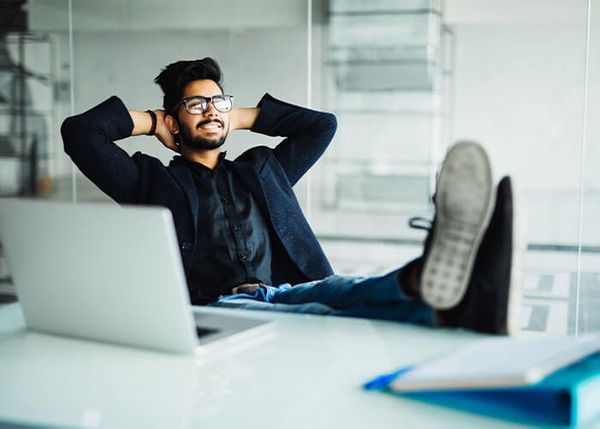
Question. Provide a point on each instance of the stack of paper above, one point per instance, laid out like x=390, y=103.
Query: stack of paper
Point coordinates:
x=546, y=380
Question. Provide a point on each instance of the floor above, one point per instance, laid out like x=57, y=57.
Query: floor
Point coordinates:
x=553, y=303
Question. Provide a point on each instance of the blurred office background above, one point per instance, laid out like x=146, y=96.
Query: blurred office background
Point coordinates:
x=405, y=79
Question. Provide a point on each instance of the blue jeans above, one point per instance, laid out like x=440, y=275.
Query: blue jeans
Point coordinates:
x=379, y=297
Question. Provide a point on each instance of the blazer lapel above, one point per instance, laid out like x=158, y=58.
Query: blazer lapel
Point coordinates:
x=183, y=176
x=285, y=224
x=249, y=177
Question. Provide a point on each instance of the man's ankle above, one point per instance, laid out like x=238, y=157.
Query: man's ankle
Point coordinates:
x=439, y=319
x=410, y=278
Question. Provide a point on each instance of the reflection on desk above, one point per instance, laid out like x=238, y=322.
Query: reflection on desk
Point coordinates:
x=308, y=375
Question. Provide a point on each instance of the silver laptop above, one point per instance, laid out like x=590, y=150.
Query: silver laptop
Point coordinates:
x=108, y=273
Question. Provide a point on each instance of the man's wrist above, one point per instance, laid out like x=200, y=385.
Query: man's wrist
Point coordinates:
x=154, y=120
x=142, y=122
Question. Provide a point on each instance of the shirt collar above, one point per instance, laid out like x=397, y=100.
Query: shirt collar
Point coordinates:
x=199, y=167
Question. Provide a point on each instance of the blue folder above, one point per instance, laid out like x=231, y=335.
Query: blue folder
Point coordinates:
x=569, y=396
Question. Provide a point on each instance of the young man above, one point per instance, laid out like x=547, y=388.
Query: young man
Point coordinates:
x=241, y=229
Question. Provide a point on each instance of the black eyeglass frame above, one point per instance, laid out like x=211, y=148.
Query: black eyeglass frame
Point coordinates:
x=207, y=100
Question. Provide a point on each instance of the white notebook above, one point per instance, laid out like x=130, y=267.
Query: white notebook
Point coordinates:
x=497, y=362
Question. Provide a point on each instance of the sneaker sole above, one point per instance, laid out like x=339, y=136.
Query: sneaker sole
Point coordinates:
x=464, y=197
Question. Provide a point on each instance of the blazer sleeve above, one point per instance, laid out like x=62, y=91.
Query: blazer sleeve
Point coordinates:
x=307, y=134
x=89, y=140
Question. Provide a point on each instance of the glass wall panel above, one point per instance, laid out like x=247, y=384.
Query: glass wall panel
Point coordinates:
x=519, y=90
x=34, y=96
x=384, y=71
x=121, y=46
x=405, y=79
x=509, y=75
x=588, y=299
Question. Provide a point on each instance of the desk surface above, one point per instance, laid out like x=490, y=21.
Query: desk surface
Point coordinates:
x=307, y=374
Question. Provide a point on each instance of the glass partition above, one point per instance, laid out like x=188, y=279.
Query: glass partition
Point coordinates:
x=386, y=71
x=510, y=75
x=588, y=280
x=121, y=46
x=34, y=97
x=405, y=79
x=525, y=101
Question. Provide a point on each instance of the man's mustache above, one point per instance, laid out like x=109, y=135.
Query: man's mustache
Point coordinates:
x=208, y=121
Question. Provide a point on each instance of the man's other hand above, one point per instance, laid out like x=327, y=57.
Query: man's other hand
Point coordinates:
x=142, y=125
x=242, y=118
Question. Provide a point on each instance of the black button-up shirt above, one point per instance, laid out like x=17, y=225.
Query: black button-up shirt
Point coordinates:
x=233, y=243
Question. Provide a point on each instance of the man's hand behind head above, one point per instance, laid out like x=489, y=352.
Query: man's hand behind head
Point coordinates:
x=163, y=134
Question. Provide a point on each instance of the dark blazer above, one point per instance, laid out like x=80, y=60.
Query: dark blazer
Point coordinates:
x=268, y=173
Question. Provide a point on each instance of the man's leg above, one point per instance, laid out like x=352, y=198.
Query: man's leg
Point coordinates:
x=393, y=296
x=345, y=291
x=258, y=301
x=481, y=295
x=342, y=291
x=464, y=203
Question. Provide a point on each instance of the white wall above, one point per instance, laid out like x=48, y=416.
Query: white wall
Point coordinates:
x=519, y=81
x=120, y=46
x=166, y=15
x=123, y=64
x=518, y=72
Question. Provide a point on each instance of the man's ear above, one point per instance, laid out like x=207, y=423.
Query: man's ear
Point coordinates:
x=172, y=124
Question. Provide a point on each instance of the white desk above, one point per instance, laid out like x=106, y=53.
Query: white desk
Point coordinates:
x=307, y=376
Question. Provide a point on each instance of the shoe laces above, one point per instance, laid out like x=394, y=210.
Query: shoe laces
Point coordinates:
x=418, y=222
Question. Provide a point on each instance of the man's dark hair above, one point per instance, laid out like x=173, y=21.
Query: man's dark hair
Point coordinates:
x=174, y=78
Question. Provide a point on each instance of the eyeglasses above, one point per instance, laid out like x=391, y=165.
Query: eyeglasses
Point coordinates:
x=197, y=104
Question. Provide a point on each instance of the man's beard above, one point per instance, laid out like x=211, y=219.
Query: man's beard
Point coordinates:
x=197, y=142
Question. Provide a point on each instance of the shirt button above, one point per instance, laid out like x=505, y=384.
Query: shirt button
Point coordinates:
x=236, y=228
x=243, y=256
x=225, y=200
